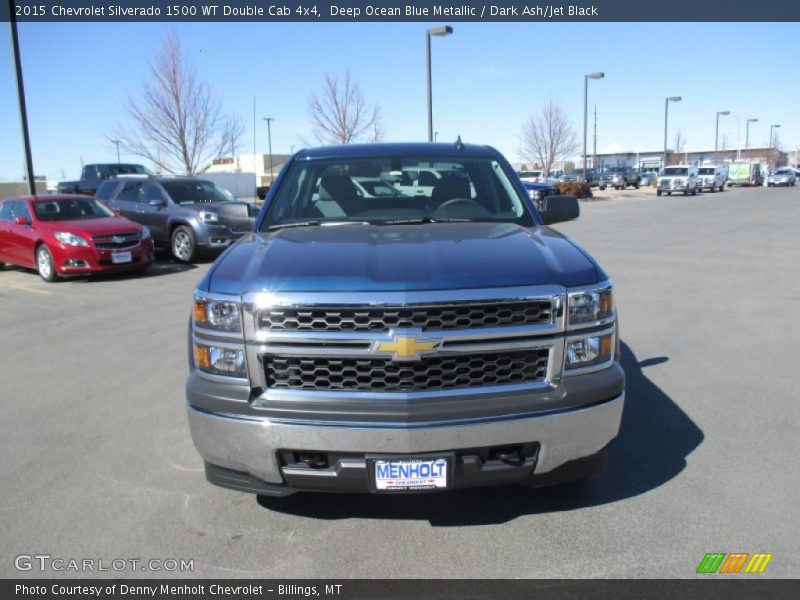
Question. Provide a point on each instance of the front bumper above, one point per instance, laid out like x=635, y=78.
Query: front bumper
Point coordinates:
x=249, y=454
x=82, y=260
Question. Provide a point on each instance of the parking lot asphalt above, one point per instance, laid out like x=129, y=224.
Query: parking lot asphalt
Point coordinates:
x=97, y=461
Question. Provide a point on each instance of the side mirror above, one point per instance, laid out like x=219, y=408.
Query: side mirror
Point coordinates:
x=21, y=221
x=556, y=209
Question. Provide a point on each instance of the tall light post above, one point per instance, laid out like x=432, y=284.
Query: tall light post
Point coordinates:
x=716, y=132
x=440, y=32
x=269, y=142
x=435, y=136
x=771, y=127
x=771, y=152
x=23, y=111
x=586, y=78
x=117, y=144
x=747, y=133
x=666, y=116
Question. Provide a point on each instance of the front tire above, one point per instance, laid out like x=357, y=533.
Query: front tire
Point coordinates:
x=183, y=244
x=658, y=192
x=45, y=264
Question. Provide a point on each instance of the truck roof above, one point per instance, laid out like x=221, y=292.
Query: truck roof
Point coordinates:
x=397, y=149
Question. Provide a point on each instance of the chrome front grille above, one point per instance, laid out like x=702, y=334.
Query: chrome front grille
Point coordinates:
x=429, y=374
x=384, y=318
x=115, y=241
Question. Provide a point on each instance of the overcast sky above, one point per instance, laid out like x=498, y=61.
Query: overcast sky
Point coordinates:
x=488, y=78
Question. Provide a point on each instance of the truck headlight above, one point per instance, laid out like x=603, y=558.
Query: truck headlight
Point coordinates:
x=219, y=360
x=590, y=305
x=222, y=315
x=70, y=239
x=589, y=350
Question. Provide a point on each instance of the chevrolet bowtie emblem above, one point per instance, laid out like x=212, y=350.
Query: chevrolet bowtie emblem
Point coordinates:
x=406, y=347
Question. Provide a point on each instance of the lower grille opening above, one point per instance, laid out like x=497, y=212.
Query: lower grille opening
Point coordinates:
x=382, y=375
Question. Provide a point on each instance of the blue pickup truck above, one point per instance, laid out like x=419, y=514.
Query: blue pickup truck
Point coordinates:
x=436, y=338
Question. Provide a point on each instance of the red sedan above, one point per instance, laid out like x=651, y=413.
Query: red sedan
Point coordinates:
x=63, y=235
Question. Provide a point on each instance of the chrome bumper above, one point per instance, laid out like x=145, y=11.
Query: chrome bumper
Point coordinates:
x=251, y=445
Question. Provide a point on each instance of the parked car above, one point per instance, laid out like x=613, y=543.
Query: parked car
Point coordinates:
x=185, y=214
x=783, y=176
x=63, y=235
x=375, y=187
x=429, y=342
x=711, y=177
x=592, y=176
x=95, y=174
x=619, y=178
x=678, y=179
x=539, y=191
x=648, y=177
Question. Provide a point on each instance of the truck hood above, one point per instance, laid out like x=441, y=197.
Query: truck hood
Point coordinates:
x=357, y=257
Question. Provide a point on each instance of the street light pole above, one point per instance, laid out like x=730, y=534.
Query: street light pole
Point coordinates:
x=23, y=111
x=716, y=133
x=441, y=32
x=747, y=133
x=269, y=142
x=666, y=116
x=771, y=151
x=586, y=78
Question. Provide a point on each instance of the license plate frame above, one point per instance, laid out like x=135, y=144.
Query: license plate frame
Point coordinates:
x=410, y=485
x=121, y=258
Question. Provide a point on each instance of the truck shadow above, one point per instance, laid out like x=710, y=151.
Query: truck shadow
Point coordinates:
x=655, y=438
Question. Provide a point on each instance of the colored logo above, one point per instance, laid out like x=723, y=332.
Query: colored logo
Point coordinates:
x=735, y=562
x=406, y=347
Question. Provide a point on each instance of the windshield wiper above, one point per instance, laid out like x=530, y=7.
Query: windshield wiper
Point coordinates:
x=314, y=223
x=421, y=221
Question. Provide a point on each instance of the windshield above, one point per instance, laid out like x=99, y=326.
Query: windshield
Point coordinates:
x=675, y=171
x=195, y=192
x=334, y=191
x=706, y=171
x=70, y=210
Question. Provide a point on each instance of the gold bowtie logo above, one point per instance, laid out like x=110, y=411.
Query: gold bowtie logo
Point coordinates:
x=407, y=347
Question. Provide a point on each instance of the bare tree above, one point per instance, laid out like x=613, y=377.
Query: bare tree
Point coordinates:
x=177, y=122
x=548, y=137
x=340, y=114
x=678, y=142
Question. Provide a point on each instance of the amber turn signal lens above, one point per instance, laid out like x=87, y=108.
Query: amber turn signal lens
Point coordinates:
x=199, y=312
x=202, y=357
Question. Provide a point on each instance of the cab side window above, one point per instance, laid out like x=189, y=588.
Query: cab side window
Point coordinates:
x=131, y=193
x=151, y=192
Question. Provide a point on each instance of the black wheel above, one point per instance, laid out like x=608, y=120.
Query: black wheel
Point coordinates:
x=183, y=244
x=45, y=264
x=658, y=192
x=713, y=188
x=602, y=187
x=669, y=193
x=636, y=186
x=694, y=192
x=721, y=186
x=686, y=192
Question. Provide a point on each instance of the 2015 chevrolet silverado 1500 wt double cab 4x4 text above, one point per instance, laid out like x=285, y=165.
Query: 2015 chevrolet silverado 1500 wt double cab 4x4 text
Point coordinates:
x=431, y=339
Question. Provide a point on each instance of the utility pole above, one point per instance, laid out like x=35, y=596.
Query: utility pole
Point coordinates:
x=594, y=150
x=23, y=111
